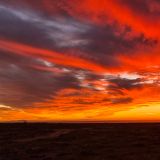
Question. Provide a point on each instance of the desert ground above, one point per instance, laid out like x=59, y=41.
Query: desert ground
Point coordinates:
x=73, y=141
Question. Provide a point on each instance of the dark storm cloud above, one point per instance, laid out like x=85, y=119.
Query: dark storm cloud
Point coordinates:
x=22, y=86
x=107, y=101
x=8, y=58
x=106, y=42
x=118, y=100
x=124, y=83
x=15, y=26
x=65, y=34
x=137, y=5
x=33, y=28
x=145, y=7
x=117, y=85
x=122, y=100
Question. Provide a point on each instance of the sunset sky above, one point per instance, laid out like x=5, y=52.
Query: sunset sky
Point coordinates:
x=80, y=60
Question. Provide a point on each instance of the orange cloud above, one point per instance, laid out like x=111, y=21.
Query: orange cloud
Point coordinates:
x=51, y=56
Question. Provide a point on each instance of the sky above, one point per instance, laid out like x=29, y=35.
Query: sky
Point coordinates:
x=79, y=60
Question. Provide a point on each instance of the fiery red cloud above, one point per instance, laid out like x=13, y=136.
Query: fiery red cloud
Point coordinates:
x=79, y=60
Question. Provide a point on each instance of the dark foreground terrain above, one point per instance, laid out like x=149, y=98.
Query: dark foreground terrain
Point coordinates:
x=79, y=141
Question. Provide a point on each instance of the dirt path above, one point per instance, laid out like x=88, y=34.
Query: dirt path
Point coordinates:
x=55, y=134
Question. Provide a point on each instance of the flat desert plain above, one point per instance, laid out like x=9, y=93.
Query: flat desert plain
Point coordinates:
x=78, y=141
